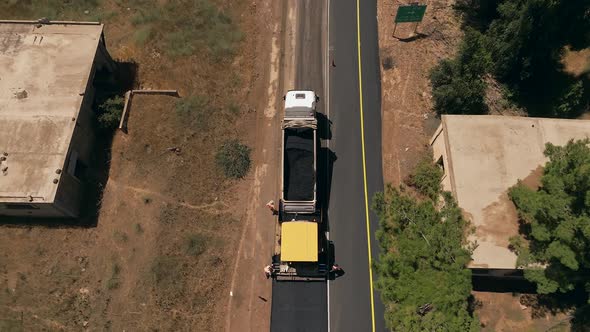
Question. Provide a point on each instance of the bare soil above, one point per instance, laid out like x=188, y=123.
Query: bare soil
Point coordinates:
x=406, y=58
x=161, y=254
x=409, y=121
x=577, y=63
x=514, y=312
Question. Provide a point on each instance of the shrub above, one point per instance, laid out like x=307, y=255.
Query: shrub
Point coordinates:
x=388, y=63
x=195, y=244
x=234, y=109
x=120, y=236
x=162, y=268
x=138, y=228
x=110, y=113
x=114, y=282
x=426, y=178
x=234, y=159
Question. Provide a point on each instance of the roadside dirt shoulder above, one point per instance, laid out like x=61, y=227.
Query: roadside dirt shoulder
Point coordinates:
x=406, y=60
x=250, y=293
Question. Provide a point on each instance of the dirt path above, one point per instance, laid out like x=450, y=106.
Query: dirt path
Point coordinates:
x=152, y=194
x=249, y=302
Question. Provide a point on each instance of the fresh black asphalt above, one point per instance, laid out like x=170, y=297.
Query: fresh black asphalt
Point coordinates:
x=302, y=306
x=350, y=303
x=299, y=306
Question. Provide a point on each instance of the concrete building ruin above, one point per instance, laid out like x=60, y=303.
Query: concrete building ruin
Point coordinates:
x=482, y=157
x=47, y=72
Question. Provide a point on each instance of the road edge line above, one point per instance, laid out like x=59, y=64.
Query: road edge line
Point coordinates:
x=358, y=40
x=327, y=96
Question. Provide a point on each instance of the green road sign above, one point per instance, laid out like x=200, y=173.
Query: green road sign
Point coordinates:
x=412, y=13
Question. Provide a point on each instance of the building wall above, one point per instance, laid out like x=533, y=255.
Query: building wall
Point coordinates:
x=71, y=188
x=69, y=196
x=440, y=156
x=30, y=210
x=498, y=273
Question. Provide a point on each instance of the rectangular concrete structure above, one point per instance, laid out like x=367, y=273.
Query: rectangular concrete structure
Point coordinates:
x=46, y=118
x=483, y=156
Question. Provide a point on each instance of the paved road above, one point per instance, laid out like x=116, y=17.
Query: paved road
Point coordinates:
x=303, y=306
x=299, y=307
x=350, y=301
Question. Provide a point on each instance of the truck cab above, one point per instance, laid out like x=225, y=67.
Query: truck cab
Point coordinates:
x=300, y=104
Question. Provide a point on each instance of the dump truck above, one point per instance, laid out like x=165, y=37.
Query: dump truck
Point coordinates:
x=299, y=153
x=301, y=247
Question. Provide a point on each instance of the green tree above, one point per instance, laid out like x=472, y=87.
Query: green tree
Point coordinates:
x=558, y=214
x=526, y=40
x=457, y=84
x=422, y=274
x=110, y=113
x=571, y=101
x=528, y=37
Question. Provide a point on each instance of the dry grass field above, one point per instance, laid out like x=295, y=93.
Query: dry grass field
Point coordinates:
x=158, y=256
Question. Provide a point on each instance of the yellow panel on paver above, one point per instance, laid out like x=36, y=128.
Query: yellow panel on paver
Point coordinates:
x=299, y=241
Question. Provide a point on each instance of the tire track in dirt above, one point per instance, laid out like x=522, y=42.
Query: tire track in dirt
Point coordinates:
x=166, y=199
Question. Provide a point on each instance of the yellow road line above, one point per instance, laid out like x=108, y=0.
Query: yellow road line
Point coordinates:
x=358, y=40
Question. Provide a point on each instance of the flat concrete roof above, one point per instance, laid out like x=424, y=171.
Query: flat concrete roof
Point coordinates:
x=487, y=155
x=44, y=70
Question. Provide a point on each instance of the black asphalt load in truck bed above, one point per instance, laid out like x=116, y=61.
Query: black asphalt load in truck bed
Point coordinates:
x=299, y=177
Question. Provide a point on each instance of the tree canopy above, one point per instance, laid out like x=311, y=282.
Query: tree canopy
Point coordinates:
x=558, y=219
x=528, y=37
x=457, y=84
x=521, y=44
x=421, y=270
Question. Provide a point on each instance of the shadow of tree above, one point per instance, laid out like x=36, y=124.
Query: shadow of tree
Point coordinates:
x=574, y=304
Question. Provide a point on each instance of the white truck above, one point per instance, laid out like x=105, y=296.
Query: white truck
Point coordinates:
x=299, y=153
